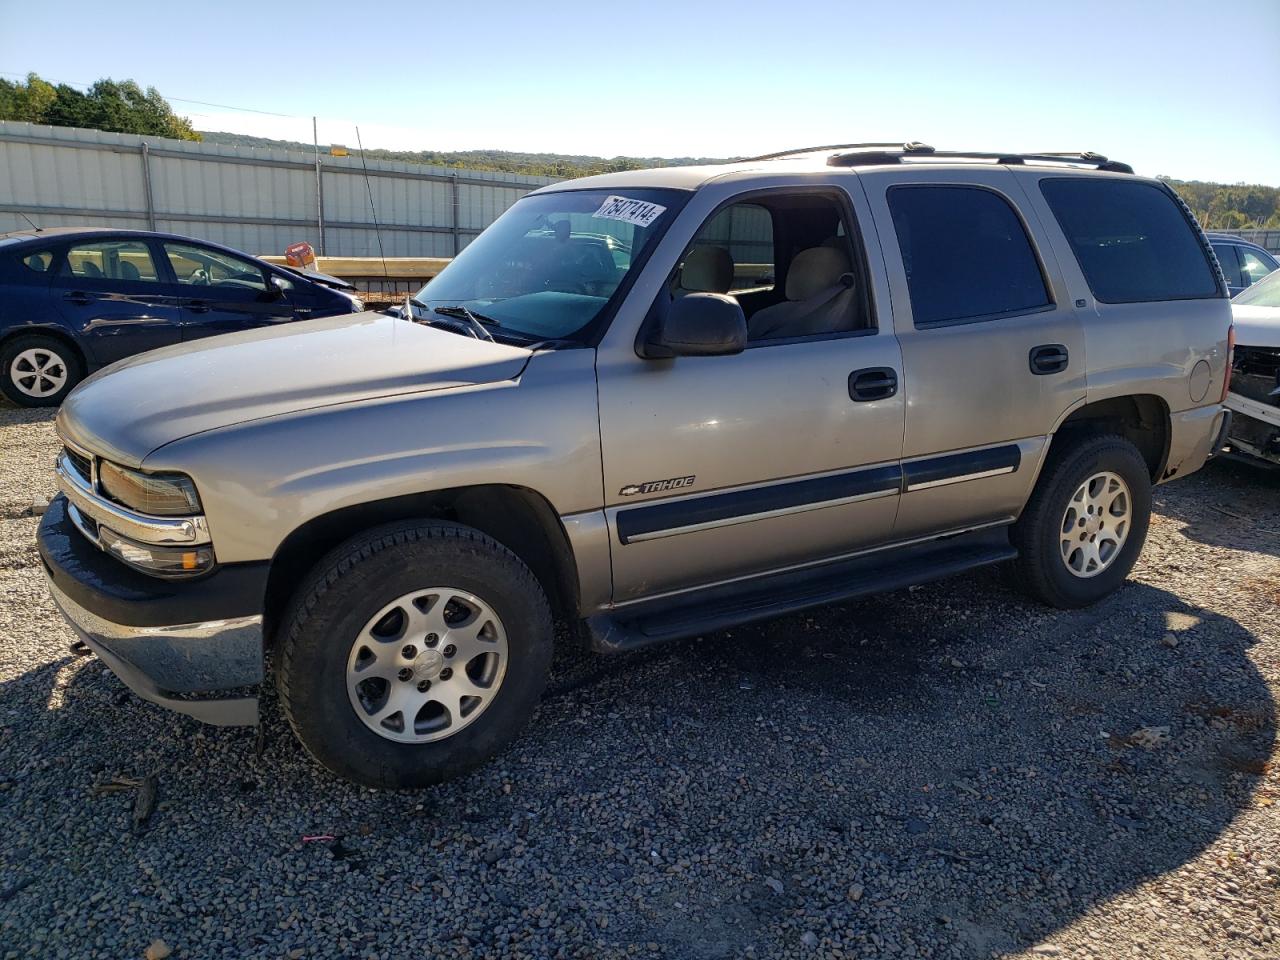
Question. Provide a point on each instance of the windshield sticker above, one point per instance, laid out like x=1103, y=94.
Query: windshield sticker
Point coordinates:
x=639, y=212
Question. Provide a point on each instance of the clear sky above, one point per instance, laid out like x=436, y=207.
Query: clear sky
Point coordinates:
x=1179, y=87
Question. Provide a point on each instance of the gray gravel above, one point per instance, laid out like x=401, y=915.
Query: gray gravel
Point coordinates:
x=949, y=771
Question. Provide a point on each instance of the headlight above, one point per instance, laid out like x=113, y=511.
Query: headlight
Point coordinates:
x=157, y=561
x=154, y=494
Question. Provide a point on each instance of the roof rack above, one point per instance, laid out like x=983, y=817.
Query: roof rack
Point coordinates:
x=802, y=150
x=895, y=154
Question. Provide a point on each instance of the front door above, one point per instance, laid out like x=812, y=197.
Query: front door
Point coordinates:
x=784, y=454
x=110, y=291
x=223, y=293
x=992, y=343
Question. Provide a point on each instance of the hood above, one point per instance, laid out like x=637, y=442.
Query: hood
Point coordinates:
x=1256, y=326
x=131, y=408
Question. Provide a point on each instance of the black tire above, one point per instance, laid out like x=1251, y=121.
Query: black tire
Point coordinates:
x=66, y=357
x=351, y=584
x=1040, y=570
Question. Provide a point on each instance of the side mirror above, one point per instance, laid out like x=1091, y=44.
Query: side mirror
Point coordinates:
x=275, y=287
x=699, y=325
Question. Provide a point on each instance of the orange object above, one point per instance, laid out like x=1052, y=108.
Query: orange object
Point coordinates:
x=300, y=255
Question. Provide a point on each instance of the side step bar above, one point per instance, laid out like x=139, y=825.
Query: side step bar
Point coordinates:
x=774, y=595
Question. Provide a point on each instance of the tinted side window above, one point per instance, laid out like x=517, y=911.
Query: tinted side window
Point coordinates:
x=966, y=254
x=37, y=262
x=1230, y=263
x=1132, y=240
x=127, y=260
x=1254, y=265
x=205, y=267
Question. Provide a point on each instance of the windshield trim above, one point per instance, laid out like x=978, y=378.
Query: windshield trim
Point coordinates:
x=591, y=333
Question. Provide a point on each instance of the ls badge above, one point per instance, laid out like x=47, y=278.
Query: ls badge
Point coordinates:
x=656, y=486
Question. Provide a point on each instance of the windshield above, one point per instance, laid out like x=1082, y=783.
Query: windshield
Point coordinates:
x=548, y=267
x=1263, y=293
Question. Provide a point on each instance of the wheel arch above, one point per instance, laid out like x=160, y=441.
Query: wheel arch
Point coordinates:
x=1142, y=419
x=520, y=519
x=53, y=332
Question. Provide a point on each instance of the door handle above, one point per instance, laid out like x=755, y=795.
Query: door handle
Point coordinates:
x=1048, y=358
x=78, y=297
x=197, y=306
x=873, y=383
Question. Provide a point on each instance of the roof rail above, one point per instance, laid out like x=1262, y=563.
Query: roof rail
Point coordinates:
x=882, y=156
x=828, y=146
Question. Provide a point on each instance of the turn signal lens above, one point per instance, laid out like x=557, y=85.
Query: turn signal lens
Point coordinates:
x=154, y=494
x=158, y=561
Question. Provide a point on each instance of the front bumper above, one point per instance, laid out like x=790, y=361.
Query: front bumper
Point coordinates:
x=193, y=646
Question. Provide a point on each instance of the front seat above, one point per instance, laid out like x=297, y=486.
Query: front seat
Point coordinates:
x=820, y=298
x=706, y=270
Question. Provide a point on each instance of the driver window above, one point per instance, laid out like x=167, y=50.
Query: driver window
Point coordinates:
x=200, y=266
x=128, y=260
x=789, y=261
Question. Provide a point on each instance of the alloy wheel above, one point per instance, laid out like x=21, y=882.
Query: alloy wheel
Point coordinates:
x=427, y=665
x=38, y=372
x=1095, y=524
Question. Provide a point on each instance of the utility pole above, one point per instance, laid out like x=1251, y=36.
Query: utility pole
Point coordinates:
x=315, y=140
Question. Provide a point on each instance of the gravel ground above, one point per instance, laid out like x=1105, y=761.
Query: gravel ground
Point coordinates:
x=949, y=771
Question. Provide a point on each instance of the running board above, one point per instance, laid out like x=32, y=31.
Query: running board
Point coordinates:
x=774, y=595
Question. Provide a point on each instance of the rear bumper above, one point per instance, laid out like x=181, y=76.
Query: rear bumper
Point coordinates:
x=1194, y=436
x=193, y=646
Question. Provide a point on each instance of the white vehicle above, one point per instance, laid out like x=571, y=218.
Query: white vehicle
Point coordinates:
x=1255, y=382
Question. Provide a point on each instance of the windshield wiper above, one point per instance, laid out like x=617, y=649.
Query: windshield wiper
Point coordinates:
x=474, y=325
x=475, y=321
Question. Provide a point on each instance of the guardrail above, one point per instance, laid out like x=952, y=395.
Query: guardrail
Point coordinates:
x=379, y=280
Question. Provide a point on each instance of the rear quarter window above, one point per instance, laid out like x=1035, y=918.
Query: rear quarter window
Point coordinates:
x=1132, y=240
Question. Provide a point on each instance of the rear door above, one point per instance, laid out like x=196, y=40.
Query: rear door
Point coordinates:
x=223, y=293
x=993, y=349
x=112, y=292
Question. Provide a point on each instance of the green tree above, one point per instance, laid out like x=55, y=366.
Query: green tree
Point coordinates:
x=118, y=106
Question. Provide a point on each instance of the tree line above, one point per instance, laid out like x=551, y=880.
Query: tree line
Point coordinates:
x=124, y=107
x=120, y=106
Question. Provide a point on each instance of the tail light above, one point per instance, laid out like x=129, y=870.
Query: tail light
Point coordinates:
x=1231, y=362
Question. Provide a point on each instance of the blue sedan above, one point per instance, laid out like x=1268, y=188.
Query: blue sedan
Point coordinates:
x=73, y=300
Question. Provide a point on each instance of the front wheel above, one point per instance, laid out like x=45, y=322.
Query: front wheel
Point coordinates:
x=1086, y=522
x=414, y=653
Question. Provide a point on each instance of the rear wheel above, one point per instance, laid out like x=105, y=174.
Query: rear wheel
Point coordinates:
x=413, y=654
x=1086, y=522
x=38, y=371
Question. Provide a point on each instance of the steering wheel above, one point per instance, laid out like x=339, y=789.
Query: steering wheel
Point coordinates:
x=199, y=276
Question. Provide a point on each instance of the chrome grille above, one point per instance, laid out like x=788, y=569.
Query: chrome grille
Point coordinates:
x=79, y=462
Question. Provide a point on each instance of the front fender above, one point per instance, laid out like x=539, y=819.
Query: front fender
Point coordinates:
x=261, y=480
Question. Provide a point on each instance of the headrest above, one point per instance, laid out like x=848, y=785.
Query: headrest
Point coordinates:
x=707, y=270
x=814, y=270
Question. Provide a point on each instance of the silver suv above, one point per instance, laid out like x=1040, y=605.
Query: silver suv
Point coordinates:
x=653, y=404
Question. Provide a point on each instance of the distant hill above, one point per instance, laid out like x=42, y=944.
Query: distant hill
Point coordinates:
x=1218, y=206
x=507, y=161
